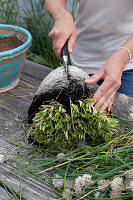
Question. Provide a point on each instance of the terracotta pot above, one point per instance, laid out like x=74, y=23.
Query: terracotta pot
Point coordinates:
x=14, y=43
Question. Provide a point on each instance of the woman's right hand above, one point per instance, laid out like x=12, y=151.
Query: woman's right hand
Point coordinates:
x=63, y=30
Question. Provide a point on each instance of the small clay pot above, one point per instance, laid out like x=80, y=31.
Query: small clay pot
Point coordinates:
x=14, y=43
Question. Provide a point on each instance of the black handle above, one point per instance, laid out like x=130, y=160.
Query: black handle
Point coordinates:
x=64, y=51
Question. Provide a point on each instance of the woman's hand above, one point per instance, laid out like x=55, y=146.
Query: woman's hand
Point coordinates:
x=63, y=30
x=110, y=73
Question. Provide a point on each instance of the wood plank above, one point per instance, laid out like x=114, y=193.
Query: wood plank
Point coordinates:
x=36, y=70
x=23, y=91
x=4, y=195
x=18, y=107
x=34, y=73
x=13, y=109
x=121, y=108
x=32, y=189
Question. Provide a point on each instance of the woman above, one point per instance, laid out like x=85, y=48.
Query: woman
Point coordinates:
x=104, y=43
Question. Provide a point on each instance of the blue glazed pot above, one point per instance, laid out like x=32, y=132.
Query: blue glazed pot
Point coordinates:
x=14, y=43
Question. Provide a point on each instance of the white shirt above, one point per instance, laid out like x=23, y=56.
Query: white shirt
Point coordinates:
x=102, y=28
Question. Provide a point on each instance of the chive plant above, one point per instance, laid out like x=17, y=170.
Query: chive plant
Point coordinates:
x=52, y=128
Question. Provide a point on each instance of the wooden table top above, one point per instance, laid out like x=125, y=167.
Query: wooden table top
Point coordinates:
x=14, y=106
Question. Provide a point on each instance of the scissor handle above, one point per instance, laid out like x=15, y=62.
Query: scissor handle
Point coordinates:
x=64, y=51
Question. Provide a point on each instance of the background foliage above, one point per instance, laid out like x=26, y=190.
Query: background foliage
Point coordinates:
x=9, y=11
x=33, y=16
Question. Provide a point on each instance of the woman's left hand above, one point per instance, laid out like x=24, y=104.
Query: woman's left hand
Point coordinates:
x=110, y=73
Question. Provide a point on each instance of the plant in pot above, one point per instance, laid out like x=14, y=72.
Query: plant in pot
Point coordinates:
x=49, y=112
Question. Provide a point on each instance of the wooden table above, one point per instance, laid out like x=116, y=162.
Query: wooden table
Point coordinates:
x=14, y=105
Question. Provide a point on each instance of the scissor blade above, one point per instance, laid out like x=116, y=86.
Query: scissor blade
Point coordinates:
x=71, y=111
x=64, y=54
x=70, y=101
